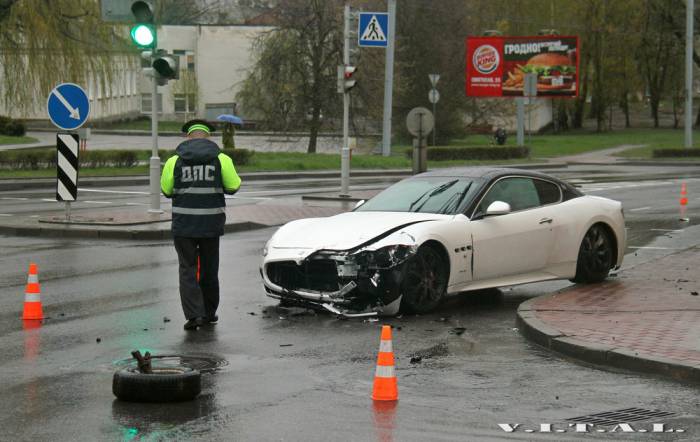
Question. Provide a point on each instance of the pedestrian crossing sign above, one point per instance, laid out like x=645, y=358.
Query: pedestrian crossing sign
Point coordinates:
x=373, y=29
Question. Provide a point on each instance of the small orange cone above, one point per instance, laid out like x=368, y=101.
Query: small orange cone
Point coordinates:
x=32, y=295
x=684, y=202
x=684, y=195
x=198, y=267
x=385, y=384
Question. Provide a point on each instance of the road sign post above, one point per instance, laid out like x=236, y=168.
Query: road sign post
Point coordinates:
x=67, y=168
x=68, y=107
x=530, y=92
x=434, y=97
x=419, y=123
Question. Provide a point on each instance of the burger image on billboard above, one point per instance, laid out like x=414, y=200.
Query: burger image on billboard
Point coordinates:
x=486, y=59
x=554, y=71
x=556, y=74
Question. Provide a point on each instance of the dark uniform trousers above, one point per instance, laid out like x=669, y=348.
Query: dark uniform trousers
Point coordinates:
x=199, y=299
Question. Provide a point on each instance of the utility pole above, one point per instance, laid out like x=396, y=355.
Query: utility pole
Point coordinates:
x=154, y=166
x=345, y=151
x=389, y=80
x=689, y=14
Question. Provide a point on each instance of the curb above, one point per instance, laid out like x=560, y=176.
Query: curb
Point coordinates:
x=82, y=232
x=140, y=180
x=542, y=334
x=637, y=163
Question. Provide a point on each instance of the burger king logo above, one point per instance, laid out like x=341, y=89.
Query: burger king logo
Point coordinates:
x=486, y=59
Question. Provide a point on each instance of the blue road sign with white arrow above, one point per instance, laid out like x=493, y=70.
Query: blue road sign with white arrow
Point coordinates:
x=68, y=106
x=373, y=29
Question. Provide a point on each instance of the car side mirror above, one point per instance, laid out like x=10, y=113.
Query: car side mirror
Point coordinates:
x=498, y=208
x=358, y=204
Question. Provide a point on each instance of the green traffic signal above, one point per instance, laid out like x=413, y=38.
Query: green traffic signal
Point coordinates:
x=144, y=36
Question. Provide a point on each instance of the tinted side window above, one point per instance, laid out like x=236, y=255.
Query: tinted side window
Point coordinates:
x=520, y=193
x=549, y=193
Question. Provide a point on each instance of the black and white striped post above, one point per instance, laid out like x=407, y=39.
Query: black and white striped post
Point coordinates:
x=67, y=151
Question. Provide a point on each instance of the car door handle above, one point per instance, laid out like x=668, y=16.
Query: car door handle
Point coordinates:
x=546, y=221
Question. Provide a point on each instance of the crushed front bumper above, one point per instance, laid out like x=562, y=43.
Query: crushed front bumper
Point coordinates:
x=350, y=284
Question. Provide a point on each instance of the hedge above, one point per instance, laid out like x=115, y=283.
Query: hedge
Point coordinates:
x=12, y=128
x=46, y=158
x=240, y=157
x=675, y=153
x=474, y=153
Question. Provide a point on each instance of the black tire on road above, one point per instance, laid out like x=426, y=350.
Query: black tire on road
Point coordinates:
x=595, y=256
x=164, y=385
x=425, y=280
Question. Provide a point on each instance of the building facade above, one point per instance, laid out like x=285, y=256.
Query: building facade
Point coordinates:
x=214, y=61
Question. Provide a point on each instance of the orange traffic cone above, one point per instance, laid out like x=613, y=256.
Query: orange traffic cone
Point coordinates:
x=385, y=385
x=32, y=295
x=684, y=202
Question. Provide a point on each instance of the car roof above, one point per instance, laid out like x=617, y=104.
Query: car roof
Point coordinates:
x=483, y=172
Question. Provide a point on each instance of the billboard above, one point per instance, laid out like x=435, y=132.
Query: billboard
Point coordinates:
x=496, y=66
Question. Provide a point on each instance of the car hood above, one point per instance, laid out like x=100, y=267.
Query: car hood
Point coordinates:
x=345, y=231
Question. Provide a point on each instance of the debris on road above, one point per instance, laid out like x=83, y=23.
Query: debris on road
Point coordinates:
x=694, y=293
x=144, y=361
x=166, y=319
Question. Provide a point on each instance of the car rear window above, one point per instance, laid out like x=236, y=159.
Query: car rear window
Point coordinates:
x=549, y=193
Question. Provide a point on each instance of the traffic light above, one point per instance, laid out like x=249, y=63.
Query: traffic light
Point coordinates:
x=143, y=33
x=345, y=78
x=166, y=67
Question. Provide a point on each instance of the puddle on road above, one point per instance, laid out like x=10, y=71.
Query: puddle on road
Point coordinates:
x=203, y=363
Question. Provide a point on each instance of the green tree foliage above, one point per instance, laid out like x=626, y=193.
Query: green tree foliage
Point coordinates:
x=43, y=43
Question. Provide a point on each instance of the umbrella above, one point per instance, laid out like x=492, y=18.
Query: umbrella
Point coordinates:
x=230, y=119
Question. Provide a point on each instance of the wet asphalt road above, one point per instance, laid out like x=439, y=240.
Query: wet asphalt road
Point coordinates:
x=290, y=375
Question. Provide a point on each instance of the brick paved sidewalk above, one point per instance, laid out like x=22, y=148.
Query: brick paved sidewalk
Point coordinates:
x=647, y=319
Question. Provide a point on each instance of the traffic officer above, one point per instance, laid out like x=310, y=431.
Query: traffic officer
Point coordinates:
x=196, y=178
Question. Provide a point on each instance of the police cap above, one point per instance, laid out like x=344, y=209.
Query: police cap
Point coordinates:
x=198, y=124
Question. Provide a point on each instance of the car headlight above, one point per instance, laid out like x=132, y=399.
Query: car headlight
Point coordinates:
x=390, y=256
x=266, y=249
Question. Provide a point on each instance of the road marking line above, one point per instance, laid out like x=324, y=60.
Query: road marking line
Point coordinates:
x=129, y=192
x=136, y=204
x=231, y=197
x=97, y=202
x=666, y=230
x=10, y=198
x=655, y=248
x=6, y=214
x=34, y=216
x=49, y=200
x=639, y=209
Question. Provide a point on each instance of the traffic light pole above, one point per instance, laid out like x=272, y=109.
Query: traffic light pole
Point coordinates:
x=155, y=159
x=345, y=151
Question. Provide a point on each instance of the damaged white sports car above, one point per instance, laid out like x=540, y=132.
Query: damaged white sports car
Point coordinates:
x=442, y=233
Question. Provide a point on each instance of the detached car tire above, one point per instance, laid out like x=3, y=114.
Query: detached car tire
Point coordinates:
x=595, y=256
x=425, y=281
x=163, y=385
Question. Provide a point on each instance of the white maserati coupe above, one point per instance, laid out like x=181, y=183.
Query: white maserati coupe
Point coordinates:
x=441, y=233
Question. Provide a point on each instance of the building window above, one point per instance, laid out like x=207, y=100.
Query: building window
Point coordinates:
x=190, y=62
x=146, y=103
x=185, y=103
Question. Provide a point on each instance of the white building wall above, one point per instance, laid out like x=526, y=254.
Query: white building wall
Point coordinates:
x=222, y=58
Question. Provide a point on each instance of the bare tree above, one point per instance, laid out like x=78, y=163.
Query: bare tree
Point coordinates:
x=296, y=66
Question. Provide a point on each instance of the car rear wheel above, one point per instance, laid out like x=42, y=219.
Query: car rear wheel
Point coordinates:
x=425, y=280
x=595, y=257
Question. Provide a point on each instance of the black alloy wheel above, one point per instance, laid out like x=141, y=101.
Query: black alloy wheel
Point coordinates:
x=595, y=257
x=425, y=281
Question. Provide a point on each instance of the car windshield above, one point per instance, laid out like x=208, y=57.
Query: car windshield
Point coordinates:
x=445, y=195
